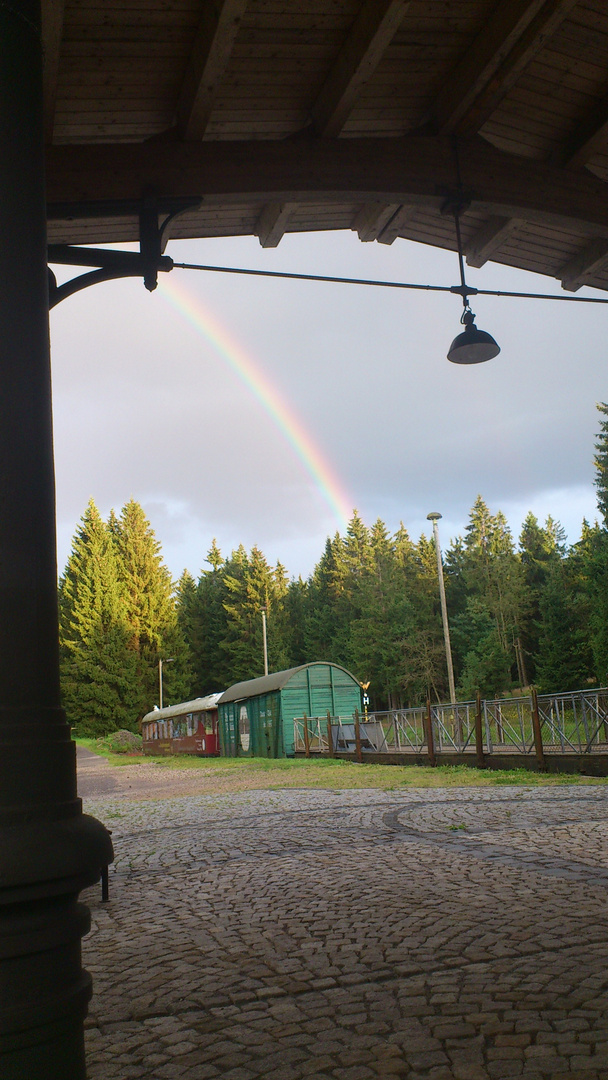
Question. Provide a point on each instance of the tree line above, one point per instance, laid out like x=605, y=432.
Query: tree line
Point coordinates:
x=533, y=611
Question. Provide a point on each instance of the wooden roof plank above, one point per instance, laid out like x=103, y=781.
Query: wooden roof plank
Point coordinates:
x=370, y=34
x=208, y=62
x=515, y=33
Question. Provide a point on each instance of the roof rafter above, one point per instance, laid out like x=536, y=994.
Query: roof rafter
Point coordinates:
x=589, y=136
x=208, y=62
x=514, y=34
x=52, y=13
x=414, y=170
x=370, y=221
x=489, y=239
x=593, y=256
x=397, y=223
x=371, y=33
x=272, y=223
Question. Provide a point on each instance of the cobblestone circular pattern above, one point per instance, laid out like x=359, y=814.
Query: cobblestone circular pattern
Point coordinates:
x=440, y=934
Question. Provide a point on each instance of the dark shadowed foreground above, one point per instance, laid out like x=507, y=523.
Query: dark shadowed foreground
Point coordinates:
x=445, y=933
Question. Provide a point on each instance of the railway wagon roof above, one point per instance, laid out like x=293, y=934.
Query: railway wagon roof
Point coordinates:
x=276, y=680
x=201, y=704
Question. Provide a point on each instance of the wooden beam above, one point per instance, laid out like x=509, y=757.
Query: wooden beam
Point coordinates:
x=52, y=13
x=369, y=36
x=489, y=239
x=208, y=62
x=372, y=218
x=396, y=225
x=589, y=137
x=371, y=33
x=415, y=170
x=574, y=273
x=516, y=31
x=272, y=222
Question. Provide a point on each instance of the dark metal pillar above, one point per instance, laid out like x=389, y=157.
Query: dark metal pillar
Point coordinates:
x=48, y=850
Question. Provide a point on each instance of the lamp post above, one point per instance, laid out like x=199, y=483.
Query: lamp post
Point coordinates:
x=265, y=641
x=169, y=660
x=434, y=517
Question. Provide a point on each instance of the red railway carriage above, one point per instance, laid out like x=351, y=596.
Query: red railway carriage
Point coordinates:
x=189, y=728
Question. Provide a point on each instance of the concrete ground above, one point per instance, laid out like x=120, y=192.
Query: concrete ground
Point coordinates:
x=448, y=934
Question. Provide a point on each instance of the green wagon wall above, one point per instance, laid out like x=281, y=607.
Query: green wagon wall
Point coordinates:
x=314, y=690
x=263, y=718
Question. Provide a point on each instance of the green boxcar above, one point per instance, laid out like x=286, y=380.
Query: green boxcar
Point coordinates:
x=256, y=717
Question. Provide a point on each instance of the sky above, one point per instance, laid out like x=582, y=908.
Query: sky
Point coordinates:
x=261, y=411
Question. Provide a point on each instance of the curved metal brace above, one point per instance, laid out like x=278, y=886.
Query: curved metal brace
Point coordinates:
x=119, y=264
x=57, y=293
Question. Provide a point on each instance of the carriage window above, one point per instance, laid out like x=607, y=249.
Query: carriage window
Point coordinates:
x=244, y=730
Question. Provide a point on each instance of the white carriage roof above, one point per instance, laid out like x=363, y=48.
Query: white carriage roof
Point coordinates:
x=200, y=704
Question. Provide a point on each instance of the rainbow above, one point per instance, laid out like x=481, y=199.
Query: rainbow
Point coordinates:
x=253, y=377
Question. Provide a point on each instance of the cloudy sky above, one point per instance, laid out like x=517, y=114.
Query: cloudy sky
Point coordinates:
x=261, y=411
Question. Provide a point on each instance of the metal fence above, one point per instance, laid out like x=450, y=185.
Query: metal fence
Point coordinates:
x=575, y=722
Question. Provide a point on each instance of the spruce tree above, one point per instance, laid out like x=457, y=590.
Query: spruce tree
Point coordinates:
x=211, y=664
x=540, y=549
x=252, y=585
x=98, y=668
x=150, y=610
x=601, y=462
x=384, y=617
x=495, y=590
x=564, y=656
x=325, y=636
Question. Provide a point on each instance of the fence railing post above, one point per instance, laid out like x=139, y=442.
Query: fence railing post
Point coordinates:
x=358, y=737
x=481, y=761
x=330, y=741
x=538, y=736
x=430, y=742
x=306, y=737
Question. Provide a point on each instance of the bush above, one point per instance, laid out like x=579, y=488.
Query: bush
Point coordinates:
x=121, y=742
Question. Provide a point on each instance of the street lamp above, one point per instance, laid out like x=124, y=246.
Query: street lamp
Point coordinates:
x=434, y=517
x=265, y=641
x=169, y=660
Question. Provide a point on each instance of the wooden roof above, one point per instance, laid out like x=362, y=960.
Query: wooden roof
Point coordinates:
x=273, y=116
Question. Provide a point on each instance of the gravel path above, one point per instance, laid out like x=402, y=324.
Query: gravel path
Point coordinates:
x=141, y=780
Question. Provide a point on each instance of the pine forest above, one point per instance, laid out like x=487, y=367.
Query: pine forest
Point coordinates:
x=527, y=612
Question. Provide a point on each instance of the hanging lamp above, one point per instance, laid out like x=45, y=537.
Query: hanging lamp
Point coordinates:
x=471, y=346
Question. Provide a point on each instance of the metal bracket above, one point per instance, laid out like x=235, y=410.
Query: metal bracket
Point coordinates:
x=456, y=202
x=147, y=263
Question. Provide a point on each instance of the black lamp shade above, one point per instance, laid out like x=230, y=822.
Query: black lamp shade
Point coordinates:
x=473, y=346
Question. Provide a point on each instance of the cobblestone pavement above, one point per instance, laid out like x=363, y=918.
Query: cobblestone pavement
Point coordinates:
x=441, y=934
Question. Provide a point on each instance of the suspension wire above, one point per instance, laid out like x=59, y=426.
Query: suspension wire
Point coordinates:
x=389, y=284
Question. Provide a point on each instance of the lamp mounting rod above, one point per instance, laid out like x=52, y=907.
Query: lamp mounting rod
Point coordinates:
x=471, y=291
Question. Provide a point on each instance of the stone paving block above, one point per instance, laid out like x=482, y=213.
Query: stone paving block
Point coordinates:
x=469, y=1071
x=390, y=944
